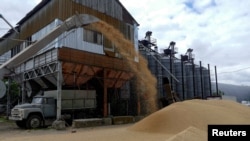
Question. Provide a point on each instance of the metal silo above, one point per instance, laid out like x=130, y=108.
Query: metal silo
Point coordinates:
x=189, y=82
x=206, y=82
x=179, y=73
x=156, y=70
x=198, y=84
x=202, y=82
x=165, y=75
x=153, y=66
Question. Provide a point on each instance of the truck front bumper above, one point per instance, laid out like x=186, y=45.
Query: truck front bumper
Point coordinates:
x=16, y=118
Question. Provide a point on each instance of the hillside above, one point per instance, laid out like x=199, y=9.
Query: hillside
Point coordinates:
x=241, y=92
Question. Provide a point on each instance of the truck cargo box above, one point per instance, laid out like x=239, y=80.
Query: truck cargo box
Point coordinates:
x=75, y=99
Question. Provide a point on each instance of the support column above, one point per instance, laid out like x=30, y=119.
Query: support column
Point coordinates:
x=23, y=91
x=105, y=94
x=59, y=90
x=8, y=97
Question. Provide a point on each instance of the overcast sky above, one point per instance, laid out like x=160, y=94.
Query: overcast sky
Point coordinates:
x=217, y=30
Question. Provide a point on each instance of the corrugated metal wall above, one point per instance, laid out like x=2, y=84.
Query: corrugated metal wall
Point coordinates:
x=41, y=19
x=109, y=11
x=109, y=7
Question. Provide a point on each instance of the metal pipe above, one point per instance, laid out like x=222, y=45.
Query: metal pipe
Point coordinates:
x=59, y=91
x=209, y=79
x=201, y=77
x=193, y=68
x=1, y=16
x=216, y=81
x=166, y=69
x=182, y=76
x=171, y=71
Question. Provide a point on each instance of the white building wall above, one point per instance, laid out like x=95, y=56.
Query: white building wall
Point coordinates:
x=72, y=39
x=136, y=44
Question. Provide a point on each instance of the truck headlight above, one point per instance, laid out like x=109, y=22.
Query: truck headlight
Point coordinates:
x=18, y=112
x=15, y=111
x=21, y=113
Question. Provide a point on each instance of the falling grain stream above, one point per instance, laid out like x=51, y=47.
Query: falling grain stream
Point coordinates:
x=145, y=81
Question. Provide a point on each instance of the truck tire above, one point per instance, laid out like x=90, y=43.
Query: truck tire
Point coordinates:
x=34, y=121
x=21, y=124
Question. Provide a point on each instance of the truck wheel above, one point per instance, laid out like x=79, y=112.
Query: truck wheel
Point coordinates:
x=21, y=124
x=34, y=121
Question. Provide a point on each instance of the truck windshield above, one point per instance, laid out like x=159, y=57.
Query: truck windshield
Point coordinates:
x=37, y=100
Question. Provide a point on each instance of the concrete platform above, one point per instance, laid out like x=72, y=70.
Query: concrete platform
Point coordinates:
x=80, y=123
x=138, y=118
x=107, y=121
x=123, y=120
x=59, y=125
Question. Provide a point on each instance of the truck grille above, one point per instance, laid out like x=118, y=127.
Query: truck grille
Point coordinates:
x=15, y=112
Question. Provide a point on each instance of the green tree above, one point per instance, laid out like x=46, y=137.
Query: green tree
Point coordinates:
x=220, y=93
x=13, y=91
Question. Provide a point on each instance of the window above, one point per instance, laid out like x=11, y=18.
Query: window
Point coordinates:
x=37, y=100
x=21, y=46
x=92, y=37
x=15, y=50
x=28, y=41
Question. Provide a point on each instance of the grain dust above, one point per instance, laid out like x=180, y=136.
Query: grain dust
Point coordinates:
x=145, y=81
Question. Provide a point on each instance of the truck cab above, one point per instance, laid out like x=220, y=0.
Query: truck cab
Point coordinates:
x=34, y=114
x=42, y=111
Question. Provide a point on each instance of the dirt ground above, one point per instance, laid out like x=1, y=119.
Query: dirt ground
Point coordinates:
x=10, y=132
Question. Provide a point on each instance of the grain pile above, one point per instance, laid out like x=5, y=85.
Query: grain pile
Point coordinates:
x=189, y=119
x=181, y=121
